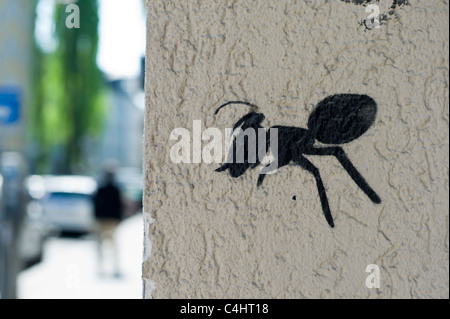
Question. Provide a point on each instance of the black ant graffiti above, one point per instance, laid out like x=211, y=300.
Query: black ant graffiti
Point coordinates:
x=337, y=119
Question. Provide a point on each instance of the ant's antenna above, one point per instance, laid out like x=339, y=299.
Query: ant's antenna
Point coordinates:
x=254, y=107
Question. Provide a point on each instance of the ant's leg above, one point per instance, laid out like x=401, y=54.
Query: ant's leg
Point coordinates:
x=264, y=172
x=271, y=167
x=348, y=166
x=260, y=179
x=306, y=164
x=223, y=167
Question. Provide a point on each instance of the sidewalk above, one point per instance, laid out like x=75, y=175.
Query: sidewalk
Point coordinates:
x=70, y=270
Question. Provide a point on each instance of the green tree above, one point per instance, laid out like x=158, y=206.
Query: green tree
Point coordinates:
x=69, y=89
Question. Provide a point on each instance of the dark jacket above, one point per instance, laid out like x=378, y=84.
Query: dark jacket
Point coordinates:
x=108, y=203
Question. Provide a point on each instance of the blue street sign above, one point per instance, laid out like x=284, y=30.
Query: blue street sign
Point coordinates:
x=9, y=106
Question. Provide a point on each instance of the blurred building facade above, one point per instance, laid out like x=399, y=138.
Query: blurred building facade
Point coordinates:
x=123, y=127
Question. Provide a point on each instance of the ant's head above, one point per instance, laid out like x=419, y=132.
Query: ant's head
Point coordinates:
x=252, y=119
x=342, y=118
x=238, y=165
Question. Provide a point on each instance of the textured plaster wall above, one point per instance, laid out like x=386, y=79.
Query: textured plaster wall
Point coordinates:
x=209, y=235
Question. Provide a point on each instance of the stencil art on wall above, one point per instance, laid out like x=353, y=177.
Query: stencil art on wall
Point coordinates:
x=336, y=120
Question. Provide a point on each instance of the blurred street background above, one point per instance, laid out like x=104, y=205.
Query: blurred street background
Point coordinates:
x=71, y=127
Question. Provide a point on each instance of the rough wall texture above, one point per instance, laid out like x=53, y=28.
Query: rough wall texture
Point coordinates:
x=212, y=236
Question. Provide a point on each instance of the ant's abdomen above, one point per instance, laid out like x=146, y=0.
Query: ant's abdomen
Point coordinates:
x=342, y=118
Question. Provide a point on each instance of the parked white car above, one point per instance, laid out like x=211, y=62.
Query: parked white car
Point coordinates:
x=66, y=201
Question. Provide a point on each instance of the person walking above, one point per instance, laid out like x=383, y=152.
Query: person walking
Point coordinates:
x=108, y=212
